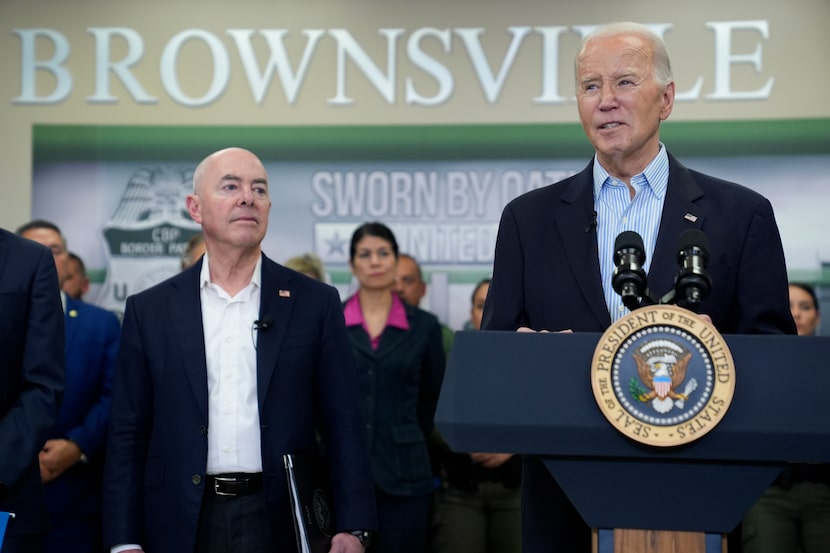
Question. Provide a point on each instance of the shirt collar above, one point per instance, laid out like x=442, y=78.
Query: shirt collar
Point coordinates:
x=655, y=175
x=204, y=275
x=397, y=314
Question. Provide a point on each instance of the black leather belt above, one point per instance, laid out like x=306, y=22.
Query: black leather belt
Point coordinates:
x=236, y=483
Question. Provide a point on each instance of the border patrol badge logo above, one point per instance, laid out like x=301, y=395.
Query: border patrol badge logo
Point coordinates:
x=663, y=376
x=147, y=234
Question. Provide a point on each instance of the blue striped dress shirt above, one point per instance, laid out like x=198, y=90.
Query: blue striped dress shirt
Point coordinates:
x=617, y=212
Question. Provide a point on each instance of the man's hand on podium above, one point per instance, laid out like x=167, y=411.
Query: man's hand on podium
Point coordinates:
x=490, y=460
x=528, y=329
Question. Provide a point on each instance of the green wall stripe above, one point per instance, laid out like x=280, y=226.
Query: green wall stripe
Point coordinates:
x=429, y=142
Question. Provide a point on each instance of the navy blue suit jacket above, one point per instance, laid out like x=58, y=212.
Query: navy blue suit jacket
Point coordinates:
x=400, y=383
x=157, y=449
x=547, y=277
x=31, y=375
x=92, y=338
x=546, y=267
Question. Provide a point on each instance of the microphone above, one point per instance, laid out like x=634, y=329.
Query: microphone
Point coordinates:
x=264, y=323
x=593, y=223
x=629, y=278
x=692, y=284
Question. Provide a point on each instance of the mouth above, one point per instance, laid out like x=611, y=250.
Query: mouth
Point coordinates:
x=609, y=126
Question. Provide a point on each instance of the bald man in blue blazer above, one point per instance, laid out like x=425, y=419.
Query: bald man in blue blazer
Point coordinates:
x=187, y=453
x=550, y=272
x=31, y=382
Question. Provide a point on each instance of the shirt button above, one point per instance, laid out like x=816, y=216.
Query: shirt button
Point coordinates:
x=226, y=449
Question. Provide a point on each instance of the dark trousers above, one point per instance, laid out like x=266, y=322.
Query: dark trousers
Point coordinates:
x=403, y=523
x=235, y=524
x=789, y=520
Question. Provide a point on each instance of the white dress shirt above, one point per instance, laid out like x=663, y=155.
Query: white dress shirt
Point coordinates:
x=230, y=351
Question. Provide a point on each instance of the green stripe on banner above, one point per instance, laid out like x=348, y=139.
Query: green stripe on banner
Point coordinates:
x=457, y=274
x=428, y=142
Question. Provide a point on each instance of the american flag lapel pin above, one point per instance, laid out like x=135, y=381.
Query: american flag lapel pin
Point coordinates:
x=690, y=217
x=284, y=293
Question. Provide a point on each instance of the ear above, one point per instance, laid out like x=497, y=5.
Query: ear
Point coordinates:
x=668, y=101
x=194, y=208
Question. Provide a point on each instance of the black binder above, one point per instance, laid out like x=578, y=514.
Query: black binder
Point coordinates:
x=309, y=488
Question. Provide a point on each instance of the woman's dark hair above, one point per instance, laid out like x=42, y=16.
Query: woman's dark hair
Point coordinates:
x=374, y=228
x=481, y=283
x=810, y=291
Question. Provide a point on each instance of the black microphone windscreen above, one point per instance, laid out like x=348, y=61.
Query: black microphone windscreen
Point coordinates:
x=693, y=238
x=629, y=239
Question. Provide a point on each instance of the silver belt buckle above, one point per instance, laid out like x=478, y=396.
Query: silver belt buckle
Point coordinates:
x=216, y=481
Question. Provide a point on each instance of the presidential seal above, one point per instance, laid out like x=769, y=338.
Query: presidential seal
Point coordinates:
x=663, y=376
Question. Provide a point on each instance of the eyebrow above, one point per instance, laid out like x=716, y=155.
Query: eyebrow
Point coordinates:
x=236, y=178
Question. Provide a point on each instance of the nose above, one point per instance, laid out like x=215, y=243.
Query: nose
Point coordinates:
x=246, y=196
x=607, y=98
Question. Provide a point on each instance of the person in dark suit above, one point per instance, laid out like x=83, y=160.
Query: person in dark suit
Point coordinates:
x=31, y=383
x=71, y=461
x=400, y=362
x=554, y=250
x=76, y=283
x=223, y=368
x=410, y=286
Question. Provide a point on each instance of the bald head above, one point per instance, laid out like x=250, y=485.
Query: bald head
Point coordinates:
x=410, y=283
x=216, y=157
x=230, y=200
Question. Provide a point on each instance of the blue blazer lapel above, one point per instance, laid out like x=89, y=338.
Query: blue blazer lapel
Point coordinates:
x=580, y=241
x=185, y=309
x=681, y=211
x=276, y=301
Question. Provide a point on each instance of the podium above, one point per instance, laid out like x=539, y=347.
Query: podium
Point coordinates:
x=530, y=393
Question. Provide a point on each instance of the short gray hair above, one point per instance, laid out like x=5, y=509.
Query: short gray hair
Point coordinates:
x=661, y=62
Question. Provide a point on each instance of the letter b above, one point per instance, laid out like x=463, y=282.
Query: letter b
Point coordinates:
x=29, y=67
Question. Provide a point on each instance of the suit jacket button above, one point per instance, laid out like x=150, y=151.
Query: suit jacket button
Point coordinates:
x=203, y=430
x=196, y=479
